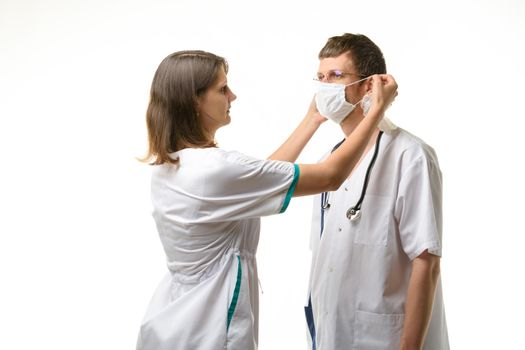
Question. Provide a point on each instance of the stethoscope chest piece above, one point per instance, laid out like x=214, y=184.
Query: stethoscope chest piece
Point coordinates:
x=353, y=214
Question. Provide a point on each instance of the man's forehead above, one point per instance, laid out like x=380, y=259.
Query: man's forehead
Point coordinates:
x=342, y=62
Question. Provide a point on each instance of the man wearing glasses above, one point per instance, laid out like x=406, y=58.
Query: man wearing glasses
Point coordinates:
x=376, y=241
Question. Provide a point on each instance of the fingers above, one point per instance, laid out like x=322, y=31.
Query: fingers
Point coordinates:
x=386, y=83
x=313, y=105
x=384, y=89
x=386, y=79
x=390, y=82
x=313, y=113
x=377, y=81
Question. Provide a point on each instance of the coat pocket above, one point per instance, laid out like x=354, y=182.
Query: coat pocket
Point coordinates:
x=373, y=226
x=378, y=331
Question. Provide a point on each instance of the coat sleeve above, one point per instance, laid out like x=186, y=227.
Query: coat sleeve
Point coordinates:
x=418, y=207
x=240, y=187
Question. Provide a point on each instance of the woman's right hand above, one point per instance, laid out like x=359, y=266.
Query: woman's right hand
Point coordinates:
x=384, y=91
x=313, y=114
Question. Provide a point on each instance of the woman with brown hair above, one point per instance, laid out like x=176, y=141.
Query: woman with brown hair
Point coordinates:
x=207, y=202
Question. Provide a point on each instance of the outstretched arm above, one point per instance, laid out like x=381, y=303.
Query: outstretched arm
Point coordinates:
x=330, y=174
x=294, y=145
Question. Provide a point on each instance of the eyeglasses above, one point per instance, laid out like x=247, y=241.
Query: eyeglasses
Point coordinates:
x=334, y=76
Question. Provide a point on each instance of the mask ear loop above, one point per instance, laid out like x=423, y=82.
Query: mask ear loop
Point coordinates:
x=357, y=81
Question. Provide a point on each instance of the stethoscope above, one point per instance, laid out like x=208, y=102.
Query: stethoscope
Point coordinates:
x=353, y=213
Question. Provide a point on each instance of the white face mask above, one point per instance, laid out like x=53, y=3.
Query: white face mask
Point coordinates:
x=366, y=103
x=330, y=100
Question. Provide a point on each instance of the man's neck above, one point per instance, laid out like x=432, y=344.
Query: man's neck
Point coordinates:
x=350, y=124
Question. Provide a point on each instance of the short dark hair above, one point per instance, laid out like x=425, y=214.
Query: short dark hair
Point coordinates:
x=366, y=55
x=172, y=119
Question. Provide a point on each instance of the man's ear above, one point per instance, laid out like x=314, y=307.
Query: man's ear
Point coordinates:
x=368, y=84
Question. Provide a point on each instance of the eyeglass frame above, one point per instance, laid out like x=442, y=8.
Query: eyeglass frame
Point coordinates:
x=336, y=75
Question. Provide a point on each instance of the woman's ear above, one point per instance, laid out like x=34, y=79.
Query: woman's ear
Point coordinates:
x=197, y=106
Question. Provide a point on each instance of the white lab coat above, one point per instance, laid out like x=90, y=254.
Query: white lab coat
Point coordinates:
x=360, y=269
x=207, y=210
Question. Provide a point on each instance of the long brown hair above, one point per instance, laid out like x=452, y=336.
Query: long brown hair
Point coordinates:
x=172, y=119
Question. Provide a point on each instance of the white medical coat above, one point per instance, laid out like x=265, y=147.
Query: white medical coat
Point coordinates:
x=361, y=269
x=207, y=209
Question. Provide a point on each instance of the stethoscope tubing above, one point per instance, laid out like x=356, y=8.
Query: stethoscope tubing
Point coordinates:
x=354, y=211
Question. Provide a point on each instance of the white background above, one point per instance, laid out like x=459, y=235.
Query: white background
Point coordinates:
x=79, y=253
